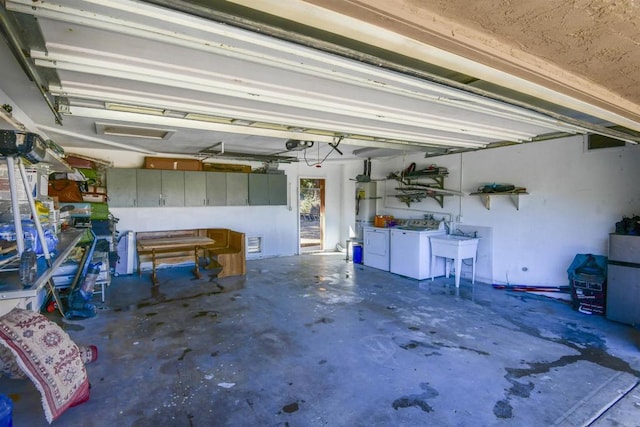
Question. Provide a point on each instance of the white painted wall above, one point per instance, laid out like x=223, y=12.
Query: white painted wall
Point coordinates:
x=575, y=199
x=278, y=226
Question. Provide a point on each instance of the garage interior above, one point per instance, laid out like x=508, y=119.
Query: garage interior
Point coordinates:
x=541, y=96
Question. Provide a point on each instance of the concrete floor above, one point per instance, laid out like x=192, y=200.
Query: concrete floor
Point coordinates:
x=315, y=341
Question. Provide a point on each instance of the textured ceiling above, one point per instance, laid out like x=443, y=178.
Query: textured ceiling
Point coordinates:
x=589, y=47
x=361, y=74
x=596, y=39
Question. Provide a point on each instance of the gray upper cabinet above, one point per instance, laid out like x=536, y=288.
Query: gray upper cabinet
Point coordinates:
x=258, y=189
x=122, y=188
x=149, y=188
x=195, y=189
x=267, y=189
x=211, y=189
x=277, y=189
x=172, y=188
x=216, y=191
x=237, y=189
x=162, y=188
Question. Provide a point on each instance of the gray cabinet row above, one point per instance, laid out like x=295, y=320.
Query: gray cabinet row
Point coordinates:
x=164, y=188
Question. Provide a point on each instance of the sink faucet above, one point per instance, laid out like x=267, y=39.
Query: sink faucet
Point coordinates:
x=459, y=232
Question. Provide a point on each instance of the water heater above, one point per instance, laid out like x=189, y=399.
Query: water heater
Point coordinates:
x=366, y=194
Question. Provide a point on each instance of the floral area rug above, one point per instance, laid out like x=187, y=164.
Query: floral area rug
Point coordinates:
x=48, y=356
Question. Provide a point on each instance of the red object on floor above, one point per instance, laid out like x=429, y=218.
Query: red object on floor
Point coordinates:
x=51, y=307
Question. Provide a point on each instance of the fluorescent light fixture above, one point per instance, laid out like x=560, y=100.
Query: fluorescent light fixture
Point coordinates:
x=133, y=131
x=207, y=118
x=75, y=135
x=274, y=126
x=134, y=109
x=241, y=122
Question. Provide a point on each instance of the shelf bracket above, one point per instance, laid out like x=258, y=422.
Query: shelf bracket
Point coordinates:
x=440, y=199
x=486, y=198
x=515, y=198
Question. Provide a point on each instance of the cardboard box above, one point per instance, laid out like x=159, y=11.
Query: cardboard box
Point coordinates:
x=79, y=210
x=168, y=163
x=94, y=197
x=225, y=167
x=96, y=189
x=79, y=162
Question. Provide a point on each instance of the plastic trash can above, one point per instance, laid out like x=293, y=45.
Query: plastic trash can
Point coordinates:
x=6, y=410
x=357, y=254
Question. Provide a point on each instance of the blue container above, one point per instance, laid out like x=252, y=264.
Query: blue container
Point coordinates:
x=357, y=254
x=6, y=409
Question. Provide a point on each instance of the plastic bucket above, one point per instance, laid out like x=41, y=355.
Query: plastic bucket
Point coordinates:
x=6, y=409
x=357, y=254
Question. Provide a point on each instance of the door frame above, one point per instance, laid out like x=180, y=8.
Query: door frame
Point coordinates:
x=322, y=184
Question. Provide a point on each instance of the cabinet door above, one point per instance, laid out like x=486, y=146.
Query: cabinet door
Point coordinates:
x=216, y=188
x=172, y=188
x=277, y=189
x=195, y=188
x=258, y=189
x=237, y=189
x=121, y=187
x=149, y=187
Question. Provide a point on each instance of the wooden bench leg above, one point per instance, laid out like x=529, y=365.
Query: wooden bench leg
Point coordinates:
x=154, y=275
x=196, y=270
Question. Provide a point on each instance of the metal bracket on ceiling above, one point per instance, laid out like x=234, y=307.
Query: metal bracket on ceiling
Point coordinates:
x=16, y=46
x=211, y=150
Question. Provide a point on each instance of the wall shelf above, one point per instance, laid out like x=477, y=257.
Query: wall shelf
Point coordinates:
x=514, y=195
x=413, y=190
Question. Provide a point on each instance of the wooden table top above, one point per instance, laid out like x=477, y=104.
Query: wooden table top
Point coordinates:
x=174, y=242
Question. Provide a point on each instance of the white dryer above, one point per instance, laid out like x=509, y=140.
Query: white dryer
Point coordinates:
x=376, y=247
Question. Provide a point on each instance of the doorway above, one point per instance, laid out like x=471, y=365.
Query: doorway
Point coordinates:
x=311, y=209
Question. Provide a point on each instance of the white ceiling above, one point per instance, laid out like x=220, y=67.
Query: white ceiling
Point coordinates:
x=209, y=84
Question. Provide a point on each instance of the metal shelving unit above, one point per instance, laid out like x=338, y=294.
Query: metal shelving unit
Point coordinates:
x=16, y=145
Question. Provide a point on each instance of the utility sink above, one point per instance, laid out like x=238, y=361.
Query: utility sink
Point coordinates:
x=457, y=248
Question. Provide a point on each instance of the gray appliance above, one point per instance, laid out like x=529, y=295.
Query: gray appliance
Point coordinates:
x=623, y=279
x=126, y=250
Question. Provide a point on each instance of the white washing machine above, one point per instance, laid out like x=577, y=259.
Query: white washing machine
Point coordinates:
x=410, y=253
x=375, y=251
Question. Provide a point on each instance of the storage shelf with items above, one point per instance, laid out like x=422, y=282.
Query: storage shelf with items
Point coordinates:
x=487, y=191
x=416, y=185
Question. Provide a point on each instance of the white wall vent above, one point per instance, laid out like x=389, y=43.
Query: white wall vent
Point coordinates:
x=254, y=244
